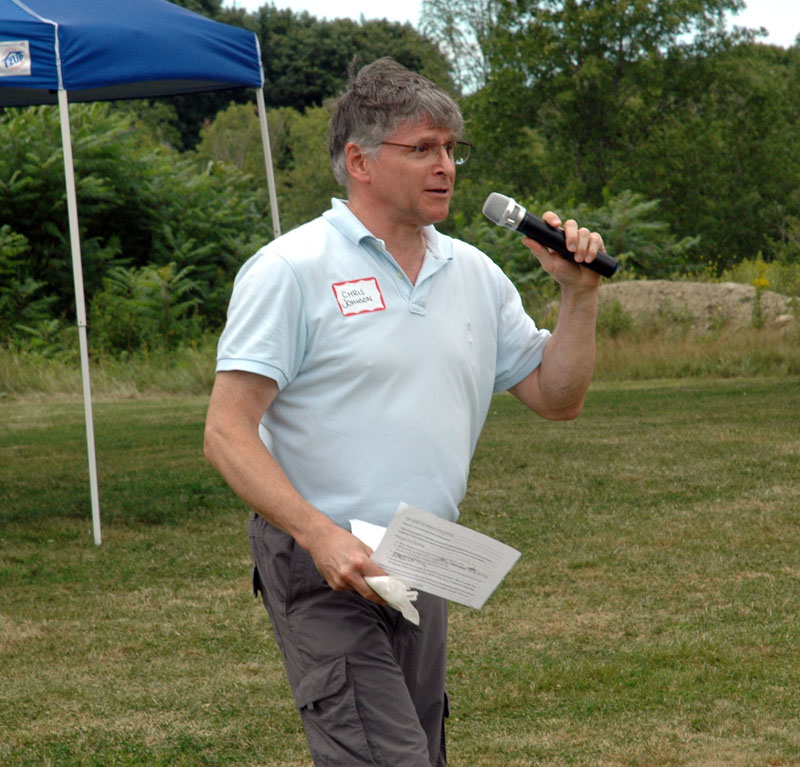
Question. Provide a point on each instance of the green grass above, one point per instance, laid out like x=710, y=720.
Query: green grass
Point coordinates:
x=628, y=349
x=652, y=619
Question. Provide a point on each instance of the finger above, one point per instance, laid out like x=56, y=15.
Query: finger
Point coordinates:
x=596, y=245
x=357, y=583
x=551, y=218
x=352, y=580
x=545, y=255
x=366, y=591
x=584, y=237
x=536, y=247
x=571, y=239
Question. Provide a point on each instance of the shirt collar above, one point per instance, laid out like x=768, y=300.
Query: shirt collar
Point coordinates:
x=341, y=217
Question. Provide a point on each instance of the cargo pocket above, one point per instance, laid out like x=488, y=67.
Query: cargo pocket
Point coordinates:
x=325, y=698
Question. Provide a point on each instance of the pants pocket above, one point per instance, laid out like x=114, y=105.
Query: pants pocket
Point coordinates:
x=325, y=698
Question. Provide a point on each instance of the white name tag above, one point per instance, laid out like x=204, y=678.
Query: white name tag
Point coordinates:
x=359, y=296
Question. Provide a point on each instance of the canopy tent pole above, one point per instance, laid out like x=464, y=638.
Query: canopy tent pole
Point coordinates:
x=80, y=306
x=119, y=50
x=273, y=200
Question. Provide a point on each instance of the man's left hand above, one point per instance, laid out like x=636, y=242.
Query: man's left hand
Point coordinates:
x=582, y=243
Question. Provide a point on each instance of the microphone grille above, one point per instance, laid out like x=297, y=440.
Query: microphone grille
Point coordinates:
x=495, y=207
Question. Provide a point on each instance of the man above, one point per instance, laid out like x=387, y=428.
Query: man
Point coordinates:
x=355, y=372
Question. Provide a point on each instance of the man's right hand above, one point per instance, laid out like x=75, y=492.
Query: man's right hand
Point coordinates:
x=343, y=560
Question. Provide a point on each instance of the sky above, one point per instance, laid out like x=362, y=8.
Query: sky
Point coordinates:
x=780, y=17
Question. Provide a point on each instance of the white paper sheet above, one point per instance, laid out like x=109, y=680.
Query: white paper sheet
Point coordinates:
x=443, y=558
x=367, y=532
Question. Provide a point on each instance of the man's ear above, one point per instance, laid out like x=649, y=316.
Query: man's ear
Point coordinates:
x=357, y=163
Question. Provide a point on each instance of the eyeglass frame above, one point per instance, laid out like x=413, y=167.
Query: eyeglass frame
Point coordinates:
x=441, y=145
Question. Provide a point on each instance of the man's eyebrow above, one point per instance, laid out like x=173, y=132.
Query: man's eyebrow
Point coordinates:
x=430, y=139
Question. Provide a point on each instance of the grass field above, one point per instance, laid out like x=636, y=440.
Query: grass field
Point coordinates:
x=651, y=621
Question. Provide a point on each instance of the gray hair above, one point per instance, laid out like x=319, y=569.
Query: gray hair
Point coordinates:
x=378, y=99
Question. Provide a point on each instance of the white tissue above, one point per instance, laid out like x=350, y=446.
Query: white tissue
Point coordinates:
x=396, y=594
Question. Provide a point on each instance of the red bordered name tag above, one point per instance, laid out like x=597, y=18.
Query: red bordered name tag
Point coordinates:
x=359, y=296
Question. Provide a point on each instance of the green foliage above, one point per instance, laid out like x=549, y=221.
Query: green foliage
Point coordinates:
x=785, y=244
x=585, y=97
x=778, y=276
x=212, y=8
x=21, y=302
x=140, y=202
x=613, y=321
x=723, y=150
x=234, y=137
x=676, y=140
x=114, y=204
x=306, y=59
x=644, y=245
x=581, y=69
x=26, y=310
x=211, y=218
x=304, y=180
x=632, y=232
x=147, y=308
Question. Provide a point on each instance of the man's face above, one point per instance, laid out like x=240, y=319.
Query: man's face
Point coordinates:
x=413, y=187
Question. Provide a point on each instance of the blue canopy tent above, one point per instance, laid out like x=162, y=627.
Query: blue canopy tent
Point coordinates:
x=57, y=51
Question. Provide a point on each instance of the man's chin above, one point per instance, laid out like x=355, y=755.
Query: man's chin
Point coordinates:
x=440, y=212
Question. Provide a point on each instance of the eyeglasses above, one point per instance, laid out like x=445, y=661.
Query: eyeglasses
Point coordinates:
x=457, y=151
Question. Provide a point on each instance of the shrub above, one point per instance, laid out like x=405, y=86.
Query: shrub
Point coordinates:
x=140, y=202
x=148, y=308
x=613, y=320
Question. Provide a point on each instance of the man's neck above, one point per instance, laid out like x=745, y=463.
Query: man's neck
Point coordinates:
x=406, y=244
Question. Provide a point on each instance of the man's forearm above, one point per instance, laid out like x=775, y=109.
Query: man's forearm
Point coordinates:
x=255, y=476
x=568, y=361
x=556, y=389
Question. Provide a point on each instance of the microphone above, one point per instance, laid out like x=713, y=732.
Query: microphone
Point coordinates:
x=503, y=211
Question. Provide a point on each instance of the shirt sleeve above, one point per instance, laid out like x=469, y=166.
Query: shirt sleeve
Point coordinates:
x=520, y=344
x=266, y=329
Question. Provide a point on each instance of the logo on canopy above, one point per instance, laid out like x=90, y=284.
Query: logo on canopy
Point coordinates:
x=15, y=58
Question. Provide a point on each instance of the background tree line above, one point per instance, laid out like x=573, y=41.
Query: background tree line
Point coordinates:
x=679, y=140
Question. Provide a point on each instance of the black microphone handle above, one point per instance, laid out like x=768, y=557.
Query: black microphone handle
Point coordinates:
x=533, y=227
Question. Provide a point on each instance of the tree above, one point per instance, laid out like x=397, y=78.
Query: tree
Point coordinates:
x=114, y=208
x=574, y=72
x=304, y=179
x=210, y=8
x=306, y=59
x=586, y=97
x=140, y=203
x=723, y=149
x=234, y=137
x=150, y=307
x=462, y=29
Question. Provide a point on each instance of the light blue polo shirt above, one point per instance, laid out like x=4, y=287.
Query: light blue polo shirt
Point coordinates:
x=384, y=385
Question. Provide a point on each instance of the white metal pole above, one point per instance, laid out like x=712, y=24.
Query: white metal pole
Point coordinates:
x=80, y=306
x=273, y=198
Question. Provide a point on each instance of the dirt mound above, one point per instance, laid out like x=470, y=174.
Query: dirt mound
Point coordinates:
x=705, y=305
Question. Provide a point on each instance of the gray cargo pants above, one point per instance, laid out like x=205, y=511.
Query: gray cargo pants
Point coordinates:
x=368, y=684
